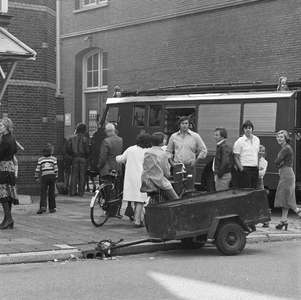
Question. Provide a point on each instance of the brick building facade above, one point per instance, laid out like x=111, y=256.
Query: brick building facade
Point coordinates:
x=30, y=99
x=136, y=45
x=147, y=44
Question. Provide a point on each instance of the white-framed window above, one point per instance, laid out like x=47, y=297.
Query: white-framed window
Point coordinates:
x=82, y=5
x=96, y=70
x=3, y=6
x=89, y=2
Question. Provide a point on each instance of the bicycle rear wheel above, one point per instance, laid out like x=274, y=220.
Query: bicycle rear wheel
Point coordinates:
x=100, y=211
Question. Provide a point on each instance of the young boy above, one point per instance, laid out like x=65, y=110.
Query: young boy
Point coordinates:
x=47, y=166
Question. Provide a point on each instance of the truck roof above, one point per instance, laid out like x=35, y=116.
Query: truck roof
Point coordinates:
x=202, y=97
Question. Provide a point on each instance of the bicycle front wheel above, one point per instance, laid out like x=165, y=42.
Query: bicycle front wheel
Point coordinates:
x=100, y=210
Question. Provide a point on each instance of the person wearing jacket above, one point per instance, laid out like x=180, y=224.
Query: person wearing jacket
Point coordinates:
x=156, y=167
x=110, y=147
x=223, y=160
x=79, y=150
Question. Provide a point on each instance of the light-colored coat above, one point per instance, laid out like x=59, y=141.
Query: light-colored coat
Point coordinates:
x=133, y=159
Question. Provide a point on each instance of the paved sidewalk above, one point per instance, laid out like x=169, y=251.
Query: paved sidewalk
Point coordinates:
x=69, y=233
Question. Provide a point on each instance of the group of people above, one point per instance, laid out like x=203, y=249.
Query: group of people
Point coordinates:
x=148, y=165
x=250, y=167
x=244, y=165
x=76, y=159
x=76, y=151
x=149, y=162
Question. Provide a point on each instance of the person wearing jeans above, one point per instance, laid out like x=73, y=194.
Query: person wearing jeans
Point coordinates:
x=79, y=150
x=47, y=166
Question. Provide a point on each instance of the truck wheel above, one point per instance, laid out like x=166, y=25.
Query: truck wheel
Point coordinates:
x=230, y=238
x=192, y=243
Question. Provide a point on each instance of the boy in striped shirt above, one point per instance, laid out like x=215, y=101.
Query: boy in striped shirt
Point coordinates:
x=47, y=167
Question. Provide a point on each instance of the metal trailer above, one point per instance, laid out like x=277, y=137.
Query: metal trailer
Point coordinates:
x=224, y=217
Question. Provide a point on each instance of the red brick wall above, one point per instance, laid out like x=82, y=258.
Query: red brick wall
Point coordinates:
x=148, y=47
x=30, y=96
x=255, y=41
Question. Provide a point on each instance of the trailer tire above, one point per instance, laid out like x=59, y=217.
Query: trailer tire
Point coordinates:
x=230, y=238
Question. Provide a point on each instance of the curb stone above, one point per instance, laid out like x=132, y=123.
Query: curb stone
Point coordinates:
x=272, y=237
x=41, y=256
x=61, y=255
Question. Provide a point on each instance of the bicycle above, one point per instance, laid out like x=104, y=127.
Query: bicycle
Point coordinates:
x=159, y=196
x=106, y=202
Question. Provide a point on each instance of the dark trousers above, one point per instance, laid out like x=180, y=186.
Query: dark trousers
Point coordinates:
x=248, y=177
x=47, y=181
x=67, y=171
x=79, y=168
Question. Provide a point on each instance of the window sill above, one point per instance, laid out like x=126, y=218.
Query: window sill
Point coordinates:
x=91, y=7
x=96, y=89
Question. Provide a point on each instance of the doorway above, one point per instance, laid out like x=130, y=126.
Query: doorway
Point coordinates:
x=95, y=106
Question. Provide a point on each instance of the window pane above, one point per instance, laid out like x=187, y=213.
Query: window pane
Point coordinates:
x=77, y=4
x=104, y=77
x=154, y=115
x=173, y=114
x=95, y=62
x=212, y=116
x=262, y=115
x=138, y=115
x=87, y=2
x=104, y=60
x=89, y=79
x=89, y=63
x=95, y=78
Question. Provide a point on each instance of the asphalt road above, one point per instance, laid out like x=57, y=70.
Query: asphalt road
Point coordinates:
x=262, y=271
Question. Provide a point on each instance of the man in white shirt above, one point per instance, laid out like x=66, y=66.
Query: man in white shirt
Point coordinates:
x=245, y=152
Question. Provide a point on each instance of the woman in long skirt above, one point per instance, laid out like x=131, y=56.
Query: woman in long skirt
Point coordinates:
x=285, y=194
x=8, y=192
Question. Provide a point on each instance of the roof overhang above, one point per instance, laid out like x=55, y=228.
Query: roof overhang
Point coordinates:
x=12, y=50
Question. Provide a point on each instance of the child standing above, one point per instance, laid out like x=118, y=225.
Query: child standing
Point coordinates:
x=262, y=164
x=47, y=166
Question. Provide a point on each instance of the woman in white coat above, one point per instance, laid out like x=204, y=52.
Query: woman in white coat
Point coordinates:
x=133, y=160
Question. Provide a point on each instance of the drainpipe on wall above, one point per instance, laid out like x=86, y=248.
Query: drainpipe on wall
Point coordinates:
x=58, y=49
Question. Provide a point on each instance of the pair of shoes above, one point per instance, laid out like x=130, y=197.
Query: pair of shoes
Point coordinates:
x=41, y=210
x=139, y=225
x=7, y=224
x=282, y=224
x=52, y=210
x=119, y=216
x=266, y=224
